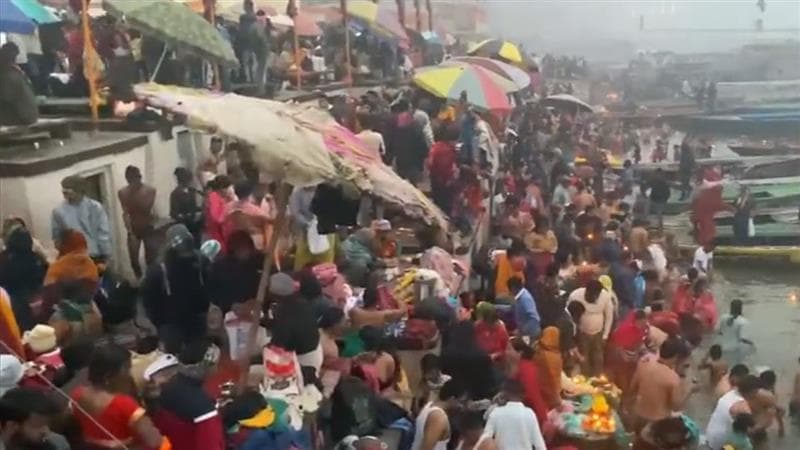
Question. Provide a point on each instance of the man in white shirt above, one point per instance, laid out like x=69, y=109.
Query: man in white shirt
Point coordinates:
x=372, y=139
x=704, y=259
x=514, y=426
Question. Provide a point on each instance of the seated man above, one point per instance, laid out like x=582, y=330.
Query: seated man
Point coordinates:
x=17, y=101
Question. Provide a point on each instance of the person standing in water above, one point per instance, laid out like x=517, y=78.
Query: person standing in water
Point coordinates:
x=733, y=335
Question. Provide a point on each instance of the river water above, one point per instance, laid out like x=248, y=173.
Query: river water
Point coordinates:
x=770, y=296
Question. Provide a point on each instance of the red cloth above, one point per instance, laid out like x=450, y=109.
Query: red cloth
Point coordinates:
x=666, y=321
x=628, y=336
x=705, y=204
x=492, y=338
x=187, y=435
x=528, y=375
x=188, y=417
x=117, y=418
x=442, y=162
x=215, y=217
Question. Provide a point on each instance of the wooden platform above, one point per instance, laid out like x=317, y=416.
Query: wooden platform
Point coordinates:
x=57, y=128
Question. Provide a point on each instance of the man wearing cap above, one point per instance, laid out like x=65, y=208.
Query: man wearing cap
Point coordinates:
x=81, y=213
x=174, y=292
x=137, y=200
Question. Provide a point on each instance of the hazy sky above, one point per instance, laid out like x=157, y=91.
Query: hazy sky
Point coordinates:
x=573, y=24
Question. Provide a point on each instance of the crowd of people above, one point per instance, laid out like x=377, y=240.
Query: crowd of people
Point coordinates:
x=246, y=329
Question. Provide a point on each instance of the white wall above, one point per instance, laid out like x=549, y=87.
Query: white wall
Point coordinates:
x=33, y=198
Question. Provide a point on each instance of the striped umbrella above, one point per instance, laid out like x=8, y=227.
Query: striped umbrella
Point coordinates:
x=484, y=89
x=513, y=73
x=497, y=48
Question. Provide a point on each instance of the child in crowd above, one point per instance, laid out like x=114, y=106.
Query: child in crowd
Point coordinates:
x=716, y=366
x=738, y=438
x=432, y=379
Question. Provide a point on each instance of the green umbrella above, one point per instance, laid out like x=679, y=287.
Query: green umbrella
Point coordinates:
x=175, y=24
x=35, y=11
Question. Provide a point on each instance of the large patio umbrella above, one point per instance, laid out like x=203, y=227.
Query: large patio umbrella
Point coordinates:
x=567, y=101
x=35, y=11
x=175, y=24
x=513, y=73
x=14, y=20
x=485, y=90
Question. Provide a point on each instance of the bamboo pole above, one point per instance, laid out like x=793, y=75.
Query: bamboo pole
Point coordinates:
x=430, y=16
x=90, y=59
x=282, y=202
x=418, y=17
x=210, y=11
x=345, y=23
x=292, y=9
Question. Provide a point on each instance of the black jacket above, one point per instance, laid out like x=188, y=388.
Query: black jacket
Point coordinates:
x=176, y=290
x=659, y=190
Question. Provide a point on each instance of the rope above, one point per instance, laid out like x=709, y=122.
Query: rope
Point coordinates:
x=72, y=404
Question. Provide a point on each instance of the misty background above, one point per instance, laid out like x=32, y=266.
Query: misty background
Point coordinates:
x=608, y=30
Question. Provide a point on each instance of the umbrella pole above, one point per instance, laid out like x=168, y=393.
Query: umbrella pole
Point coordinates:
x=345, y=20
x=282, y=201
x=158, y=65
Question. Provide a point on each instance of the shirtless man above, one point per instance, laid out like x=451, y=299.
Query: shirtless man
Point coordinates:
x=137, y=200
x=726, y=384
x=657, y=389
x=432, y=431
x=765, y=410
x=735, y=402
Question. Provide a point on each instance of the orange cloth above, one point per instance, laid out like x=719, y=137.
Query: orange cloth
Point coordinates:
x=505, y=271
x=9, y=329
x=548, y=361
x=74, y=262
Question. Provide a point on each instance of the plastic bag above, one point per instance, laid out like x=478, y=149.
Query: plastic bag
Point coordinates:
x=317, y=243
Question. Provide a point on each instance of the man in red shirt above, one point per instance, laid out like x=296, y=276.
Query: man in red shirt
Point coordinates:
x=442, y=168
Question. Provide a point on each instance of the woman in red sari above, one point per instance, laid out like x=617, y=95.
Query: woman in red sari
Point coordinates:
x=109, y=417
x=624, y=348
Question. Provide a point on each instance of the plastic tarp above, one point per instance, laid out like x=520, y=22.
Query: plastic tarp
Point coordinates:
x=300, y=144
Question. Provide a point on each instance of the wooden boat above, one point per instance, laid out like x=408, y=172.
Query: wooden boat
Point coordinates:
x=776, y=195
x=747, y=168
x=761, y=217
x=766, y=234
x=765, y=148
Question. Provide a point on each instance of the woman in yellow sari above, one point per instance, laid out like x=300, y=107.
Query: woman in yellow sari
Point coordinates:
x=548, y=361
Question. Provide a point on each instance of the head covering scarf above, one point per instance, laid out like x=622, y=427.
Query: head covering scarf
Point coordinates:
x=548, y=360
x=73, y=263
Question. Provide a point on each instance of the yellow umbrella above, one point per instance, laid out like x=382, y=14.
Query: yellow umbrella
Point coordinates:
x=497, y=48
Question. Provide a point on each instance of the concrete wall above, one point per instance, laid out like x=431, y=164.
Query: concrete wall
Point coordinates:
x=34, y=198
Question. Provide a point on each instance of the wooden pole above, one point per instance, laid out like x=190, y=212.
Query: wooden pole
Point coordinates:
x=401, y=12
x=418, y=17
x=209, y=9
x=292, y=9
x=345, y=23
x=90, y=60
x=430, y=16
x=282, y=202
